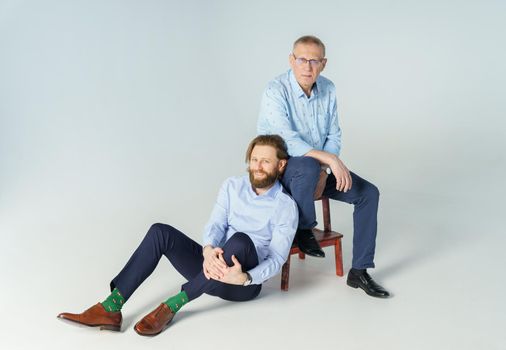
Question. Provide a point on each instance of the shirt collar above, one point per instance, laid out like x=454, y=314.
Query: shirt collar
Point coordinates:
x=271, y=192
x=298, y=90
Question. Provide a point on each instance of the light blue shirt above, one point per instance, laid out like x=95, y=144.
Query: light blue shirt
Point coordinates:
x=304, y=123
x=270, y=220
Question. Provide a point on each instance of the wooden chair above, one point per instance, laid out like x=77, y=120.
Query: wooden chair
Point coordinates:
x=325, y=237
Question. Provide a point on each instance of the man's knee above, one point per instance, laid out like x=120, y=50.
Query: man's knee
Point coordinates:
x=372, y=192
x=306, y=167
x=239, y=240
x=158, y=230
x=240, y=245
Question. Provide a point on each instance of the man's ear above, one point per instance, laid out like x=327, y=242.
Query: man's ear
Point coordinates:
x=324, y=63
x=282, y=165
x=291, y=60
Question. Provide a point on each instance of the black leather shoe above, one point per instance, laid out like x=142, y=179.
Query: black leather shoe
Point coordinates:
x=362, y=279
x=307, y=243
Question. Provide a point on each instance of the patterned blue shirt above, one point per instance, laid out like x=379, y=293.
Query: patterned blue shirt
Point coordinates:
x=304, y=123
x=269, y=219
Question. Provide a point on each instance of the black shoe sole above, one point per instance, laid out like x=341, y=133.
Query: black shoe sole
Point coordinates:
x=357, y=285
x=351, y=284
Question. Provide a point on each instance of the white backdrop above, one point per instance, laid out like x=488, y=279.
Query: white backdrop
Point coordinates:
x=118, y=114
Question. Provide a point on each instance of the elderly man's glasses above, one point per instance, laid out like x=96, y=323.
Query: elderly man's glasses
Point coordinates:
x=300, y=61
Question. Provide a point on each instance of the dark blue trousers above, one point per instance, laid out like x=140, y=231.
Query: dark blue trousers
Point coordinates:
x=186, y=256
x=300, y=180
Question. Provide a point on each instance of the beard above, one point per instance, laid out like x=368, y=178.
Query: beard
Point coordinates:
x=264, y=182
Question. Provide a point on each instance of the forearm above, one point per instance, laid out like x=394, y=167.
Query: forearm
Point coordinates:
x=323, y=157
x=337, y=167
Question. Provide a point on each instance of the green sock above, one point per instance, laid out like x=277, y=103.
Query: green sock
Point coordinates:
x=177, y=301
x=114, y=302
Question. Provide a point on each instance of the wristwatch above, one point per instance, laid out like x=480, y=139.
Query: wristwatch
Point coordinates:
x=248, y=280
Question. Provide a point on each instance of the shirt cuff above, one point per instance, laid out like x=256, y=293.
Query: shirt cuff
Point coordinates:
x=256, y=276
x=333, y=150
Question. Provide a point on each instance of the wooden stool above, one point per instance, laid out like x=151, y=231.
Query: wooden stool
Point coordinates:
x=325, y=238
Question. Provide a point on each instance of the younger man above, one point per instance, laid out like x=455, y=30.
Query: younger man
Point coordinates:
x=246, y=241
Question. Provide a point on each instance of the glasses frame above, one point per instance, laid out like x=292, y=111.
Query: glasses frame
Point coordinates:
x=300, y=61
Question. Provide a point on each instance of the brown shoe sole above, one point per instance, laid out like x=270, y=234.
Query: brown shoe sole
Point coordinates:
x=152, y=335
x=108, y=327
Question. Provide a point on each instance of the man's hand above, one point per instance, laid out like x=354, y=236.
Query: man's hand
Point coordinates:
x=342, y=175
x=340, y=171
x=234, y=274
x=214, y=266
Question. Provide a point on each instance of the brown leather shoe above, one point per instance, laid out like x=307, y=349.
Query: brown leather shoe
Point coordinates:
x=156, y=321
x=96, y=316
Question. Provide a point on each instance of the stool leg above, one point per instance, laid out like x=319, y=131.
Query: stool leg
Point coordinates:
x=285, y=274
x=326, y=214
x=339, y=257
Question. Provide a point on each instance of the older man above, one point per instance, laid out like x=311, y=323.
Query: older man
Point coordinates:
x=300, y=105
x=246, y=241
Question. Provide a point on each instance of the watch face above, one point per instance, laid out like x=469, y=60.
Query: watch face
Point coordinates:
x=248, y=280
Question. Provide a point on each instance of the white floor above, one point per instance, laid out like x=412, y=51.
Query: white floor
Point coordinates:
x=441, y=258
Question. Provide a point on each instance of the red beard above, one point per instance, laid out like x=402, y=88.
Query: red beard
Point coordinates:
x=264, y=182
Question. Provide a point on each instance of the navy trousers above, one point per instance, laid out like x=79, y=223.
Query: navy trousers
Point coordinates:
x=300, y=180
x=186, y=256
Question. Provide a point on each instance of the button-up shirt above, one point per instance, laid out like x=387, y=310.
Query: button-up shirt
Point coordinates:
x=304, y=123
x=269, y=219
